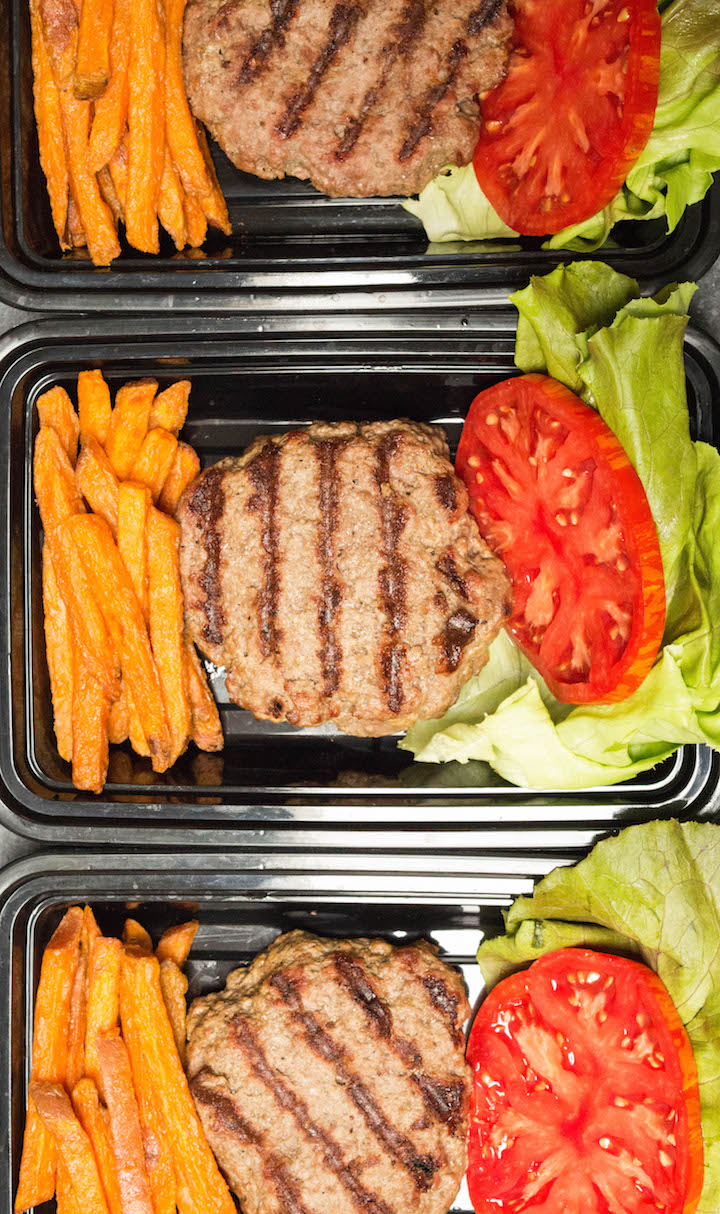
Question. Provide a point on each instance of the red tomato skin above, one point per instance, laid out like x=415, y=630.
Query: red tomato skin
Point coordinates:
x=513, y=991
x=649, y=619
x=539, y=24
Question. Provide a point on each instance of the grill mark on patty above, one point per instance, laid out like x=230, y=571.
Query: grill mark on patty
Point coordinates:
x=263, y=471
x=423, y=122
x=446, y=493
x=457, y=632
x=406, y=32
x=421, y=1168
x=273, y=36
x=207, y=503
x=343, y=21
x=366, y=1202
x=444, y=1100
x=230, y=1119
x=392, y=576
x=326, y=452
x=482, y=16
x=446, y=565
x=445, y=1001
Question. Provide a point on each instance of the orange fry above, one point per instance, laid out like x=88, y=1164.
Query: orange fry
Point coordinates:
x=102, y=999
x=134, y=504
x=110, y=194
x=92, y=66
x=118, y=166
x=76, y=232
x=213, y=203
x=94, y=406
x=146, y=124
x=54, y=480
x=125, y=1126
x=136, y=935
x=49, y=1056
x=154, y=460
x=206, y=730
x=176, y=942
x=144, y=1019
x=170, y=407
x=73, y=1144
x=171, y=211
x=119, y=602
x=118, y=722
x=78, y=1003
x=174, y=984
x=128, y=424
x=111, y=109
x=195, y=221
x=167, y=624
x=58, y=649
x=60, y=22
x=65, y=1202
x=181, y=128
x=55, y=409
x=90, y=1115
x=183, y=471
x=48, y=115
x=90, y=632
x=91, y=708
x=95, y=478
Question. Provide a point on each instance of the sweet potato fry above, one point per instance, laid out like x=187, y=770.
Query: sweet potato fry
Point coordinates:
x=94, y=407
x=183, y=470
x=146, y=125
x=73, y=1145
x=118, y=719
x=195, y=221
x=118, y=601
x=91, y=708
x=48, y=115
x=118, y=166
x=65, y=1201
x=79, y=1002
x=128, y=424
x=136, y=935
x=125, y=1126
x=90, y=633
x=213, y=203
x=138, y=741
x=90, y=930
x=134, y=504
x=58, y=650
x=92, y=66
x=56, y=410
x=176, y=942
x=167, y=624
x=90, y=1115
x=154, y=460
x=111, y=109
x=174, y=984
x=75, y=229
x=180, y=126
x=206, y=730
x=54, y=480
x=96, y=480
x=102, y=999
x=145, y=1019
x=110, y=194
x=49, y=1056
x=170, y=407
x=171, y=211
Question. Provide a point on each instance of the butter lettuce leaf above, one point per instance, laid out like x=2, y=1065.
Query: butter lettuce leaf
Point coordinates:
x=654, y=892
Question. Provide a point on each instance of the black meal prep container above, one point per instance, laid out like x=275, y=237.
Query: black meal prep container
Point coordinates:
x=274, y=785
x=292, y=248
x=241, y=907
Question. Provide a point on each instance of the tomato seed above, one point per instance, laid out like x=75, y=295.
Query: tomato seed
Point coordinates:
x=665, y=1159
x=621, y=1102
x=491, y=419
x=605, y=1143
x=672, y=1139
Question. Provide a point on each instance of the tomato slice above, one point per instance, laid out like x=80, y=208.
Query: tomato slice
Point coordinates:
x=556, y=497
x=585, y=1095
x=573, y=114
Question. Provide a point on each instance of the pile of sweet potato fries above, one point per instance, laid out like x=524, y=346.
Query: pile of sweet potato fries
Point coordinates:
x=120, y=663
x=111, y=1127
x=117, y=140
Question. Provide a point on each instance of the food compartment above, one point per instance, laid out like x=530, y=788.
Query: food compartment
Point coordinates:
x=291, y=247
x=244, y=384
x=241, y=909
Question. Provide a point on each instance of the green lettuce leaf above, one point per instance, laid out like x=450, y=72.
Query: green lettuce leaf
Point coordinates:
x=674, y=170
x=628, y=365
x=654, y=891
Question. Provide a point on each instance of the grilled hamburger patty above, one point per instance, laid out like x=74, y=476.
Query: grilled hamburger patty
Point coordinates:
x=330, y=1078
x=361, y=97
x=337, y=576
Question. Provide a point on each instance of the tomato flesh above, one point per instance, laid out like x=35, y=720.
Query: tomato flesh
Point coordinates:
x=576, y=109
x=556, y=497
x=585, y=1094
